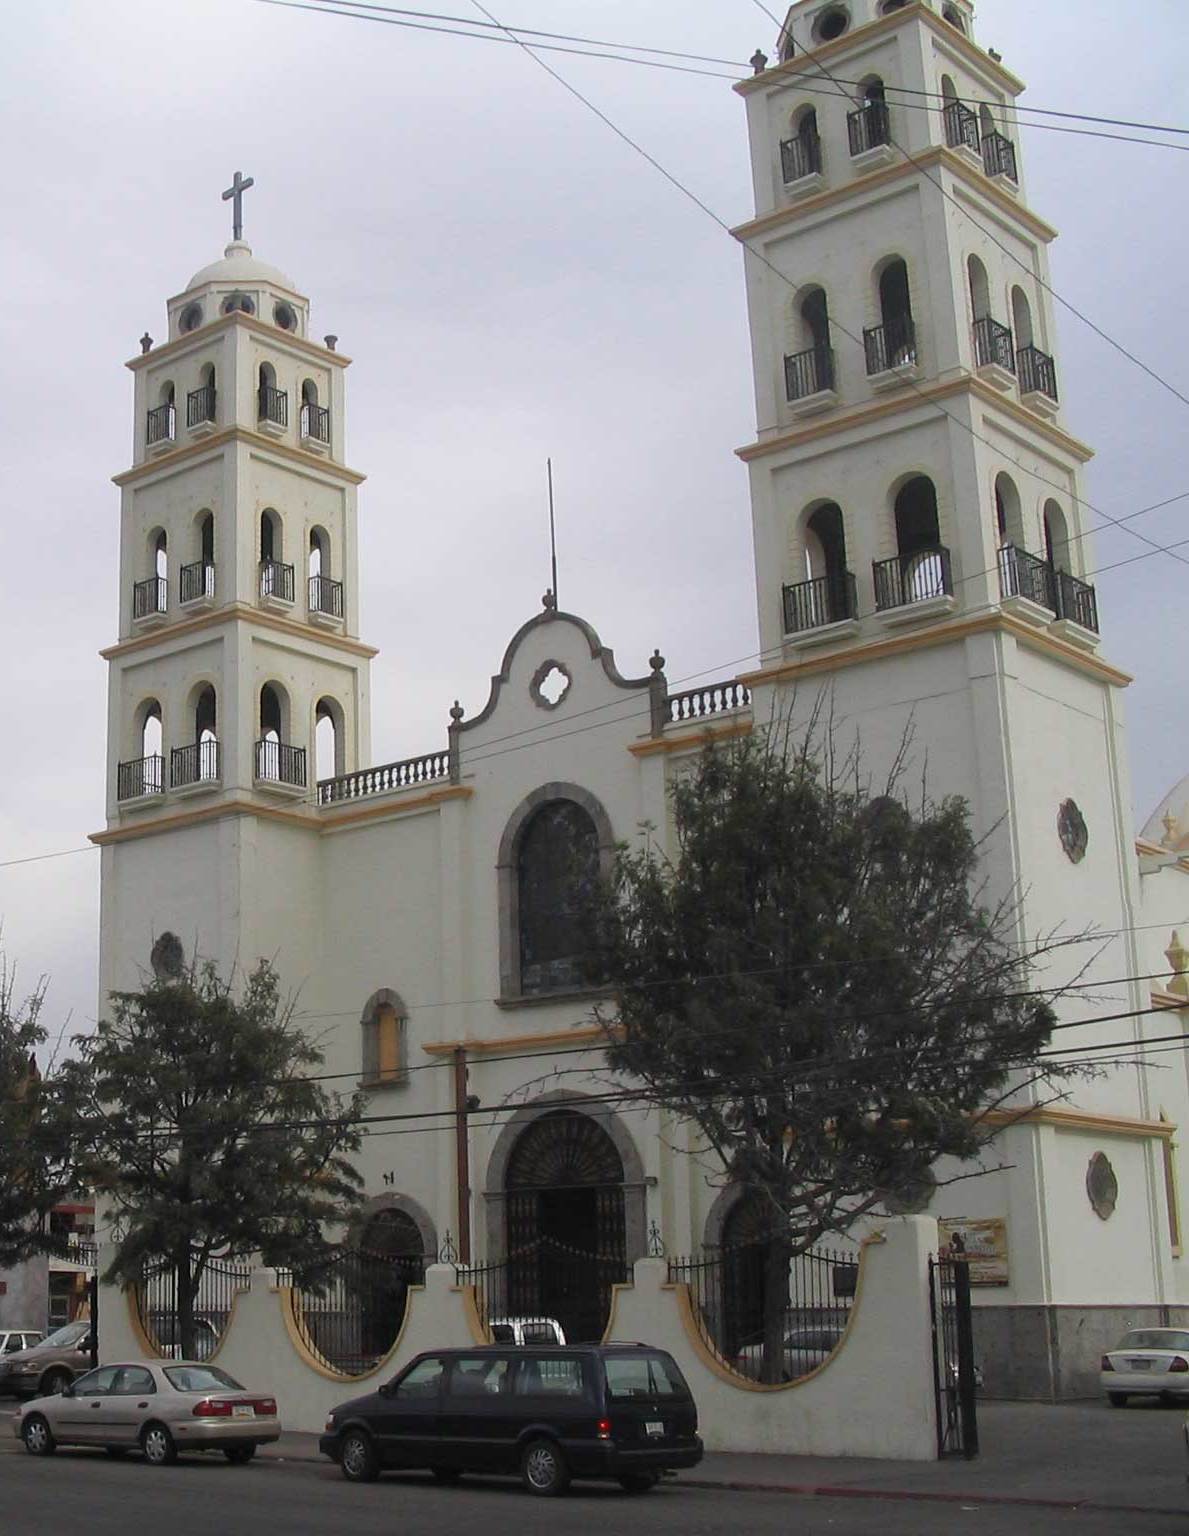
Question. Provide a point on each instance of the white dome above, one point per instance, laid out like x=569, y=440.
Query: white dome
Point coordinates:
x=240, y=266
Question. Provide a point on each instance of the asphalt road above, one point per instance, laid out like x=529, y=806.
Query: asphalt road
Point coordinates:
x=82, y=1491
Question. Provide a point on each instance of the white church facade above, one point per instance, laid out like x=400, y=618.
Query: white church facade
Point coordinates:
x=921, y=547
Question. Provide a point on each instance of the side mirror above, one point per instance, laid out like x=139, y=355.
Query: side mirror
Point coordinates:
x=387, y=1389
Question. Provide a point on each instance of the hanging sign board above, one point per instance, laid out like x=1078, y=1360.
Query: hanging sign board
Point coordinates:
x=984, y=1242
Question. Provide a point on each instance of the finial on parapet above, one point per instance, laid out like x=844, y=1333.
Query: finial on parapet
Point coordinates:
x=758, y=62
x=1172, y=828
x=457, y=712
x=146, y=342
x=1178, y=958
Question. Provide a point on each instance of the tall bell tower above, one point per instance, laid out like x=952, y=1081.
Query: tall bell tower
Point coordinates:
x=922, y=552
x=238, y=676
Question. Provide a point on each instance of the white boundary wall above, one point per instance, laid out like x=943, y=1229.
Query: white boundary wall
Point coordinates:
x=872, y=1397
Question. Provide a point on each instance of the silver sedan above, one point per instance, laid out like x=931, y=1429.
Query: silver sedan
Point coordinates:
x=159, y=1407
x=1148, y=1362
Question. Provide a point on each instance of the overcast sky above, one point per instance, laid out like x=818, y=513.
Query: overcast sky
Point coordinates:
x=512, y=281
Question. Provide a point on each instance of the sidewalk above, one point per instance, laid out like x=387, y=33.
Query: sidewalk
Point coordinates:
x=1069, y=1456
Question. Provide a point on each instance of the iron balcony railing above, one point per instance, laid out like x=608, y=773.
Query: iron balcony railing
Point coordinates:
x=800, y=157
x=326, y=596
x=891, y=345
x=1038, y=375
x=912, y=578
x=1077, y=601
x=961, y=126
x=141, y=776
x=993, y=345
x=274, y=405
x=276, y=580
x=160, y=425
x=999, y=156
x=149, y=597
x=823, y=600
x=196, y=581
x=377, y=781
x=1026, y=575
x=809, y=372
x=868, y=127
x=200, y=405
x=197, y=763
x=315, y=422
x=279, y=763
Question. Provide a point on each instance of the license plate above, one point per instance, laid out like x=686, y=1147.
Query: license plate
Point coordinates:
x=654, y=1427
x=1141, y=1365
x=242, y=1411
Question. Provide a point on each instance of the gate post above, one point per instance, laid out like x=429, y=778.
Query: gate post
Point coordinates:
x=965, y=1340
x=93, y=1300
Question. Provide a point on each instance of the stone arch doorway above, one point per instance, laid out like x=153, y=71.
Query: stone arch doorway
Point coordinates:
x=565, y=1227
x=745, y=1236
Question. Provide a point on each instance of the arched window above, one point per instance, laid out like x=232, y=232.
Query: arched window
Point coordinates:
x=892, y=343
x=986, y=120
x=888, y=6
x=276, y=578
x=949, y=91
x=392, y=1234
x=1021, y=316
x=319, y=561
x=384, y=1045
x=271, y=714
x=811, y=367
x=980, y=293
x=1057, y=549
x=557, y=865
x=309, y=392
x=143, y=774
x=161, y=556
x=874, y=92
x=270, y=536
x=328, y=745
x=150, y=729
x=827, y=596
x=161, y=426
x=198, y=761
x=273, y=403
x=206, y=538
x=1009, y=516
x=922, y=562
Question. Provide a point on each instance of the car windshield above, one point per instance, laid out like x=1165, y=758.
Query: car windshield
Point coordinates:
x=1155, y=1338
x=71, y=1334
x=200, y=1378
x=630, y=1376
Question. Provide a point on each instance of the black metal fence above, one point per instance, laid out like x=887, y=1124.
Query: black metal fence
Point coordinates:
x=1038, y=373
x=961, y=126
x=954, y=1371
x=914, y=578
x=999, y=156
x=868, y=127
x=160, y=424
x=279, y=763
x=149, y=597
x=823, y=600
x=800, y=157
x=274, y=405
x=196, y=580
x=350, y=1308
x=891, y=345
x=808, y=373
x=326, y=596
x=315, y=422
x=1026, y=575
x=200, y=405
x=141, y=776
x=993, y=345
x=195, y=763
x=726, y=1291
x=545, y=1278
x=276, y=580
x=218, y=1285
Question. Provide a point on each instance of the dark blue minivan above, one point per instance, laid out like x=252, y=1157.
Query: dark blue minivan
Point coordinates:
x=617, y=1411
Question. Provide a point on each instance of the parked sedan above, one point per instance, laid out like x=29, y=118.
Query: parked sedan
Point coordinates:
x=160, y=1407
x=13, y=1339
x=804, y=1350
x=1148, y=1362
x=48, y=1366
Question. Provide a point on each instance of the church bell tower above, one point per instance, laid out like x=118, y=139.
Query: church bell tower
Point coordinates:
x=238, y=678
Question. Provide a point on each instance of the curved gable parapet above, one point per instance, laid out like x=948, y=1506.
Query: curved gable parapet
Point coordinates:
x=598, y=652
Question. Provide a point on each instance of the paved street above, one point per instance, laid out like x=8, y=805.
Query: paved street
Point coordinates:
x=83, y=1491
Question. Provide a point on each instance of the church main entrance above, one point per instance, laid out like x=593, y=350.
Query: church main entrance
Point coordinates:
x=564, y=1215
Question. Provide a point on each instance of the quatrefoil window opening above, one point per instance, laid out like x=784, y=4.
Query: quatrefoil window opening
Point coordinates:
x=551, y=683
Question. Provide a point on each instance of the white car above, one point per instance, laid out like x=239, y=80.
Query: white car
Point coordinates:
x=1149, y=1362
x=526, y=1330
x=159, y=1407
x=13, y=1339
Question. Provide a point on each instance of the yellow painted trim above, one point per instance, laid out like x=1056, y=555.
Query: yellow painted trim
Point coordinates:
x=1162, y=998
x=1082, y=1120
x=398, y=807
x=800, y=62
x=1144, y=847
x=217, y=440
x=287, y=1298
x=934, y=635
x=690, y=739
x=913, y=399
x=486, y=1047
x=470, y=1308
x=936, y=155
x=148, y=1349
x=714, y=1362
x=243, y=613
x=219, y=812
x=171, y=349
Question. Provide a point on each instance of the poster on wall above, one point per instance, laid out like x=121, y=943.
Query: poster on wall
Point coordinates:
x=984, y=1241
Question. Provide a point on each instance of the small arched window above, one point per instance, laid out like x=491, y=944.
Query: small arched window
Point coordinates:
x=892, y=344
x=270, y=536
x=205, y=751
x=980, y=292
x=206, y=539
x=986, y=120
x=557, y=867
x=272, y=403
x=150, y=729
x=271, y=713
x=924, y=564
x=1021, y=315
x=1057, y=548
x=874, y=93
x=384, y=1028
x=319, y=561
x=161, y=556
x=1009, y=516
x=826, y=596
x=328, y=746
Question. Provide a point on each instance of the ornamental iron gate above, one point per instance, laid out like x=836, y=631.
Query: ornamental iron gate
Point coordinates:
x=349, y=1309
x=954, y=1374
x=214, y=1296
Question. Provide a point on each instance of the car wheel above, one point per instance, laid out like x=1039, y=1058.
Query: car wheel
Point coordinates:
x=447, y=1474
x=358, y=1459
x=544, y=1469
x=38, y=1437
x=239, y=1455
x=1117, y=1399
x=638, y=1482
x=53, y=1382
x=157, y=1444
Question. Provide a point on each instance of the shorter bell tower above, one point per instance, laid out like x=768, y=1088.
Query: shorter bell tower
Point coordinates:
x=238, y=678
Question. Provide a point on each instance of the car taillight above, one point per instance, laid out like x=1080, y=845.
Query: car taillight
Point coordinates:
x=211, y=1408
x=266, y=1405
x=604, y=1429
x=1106, y=1363
x=1179, y=1364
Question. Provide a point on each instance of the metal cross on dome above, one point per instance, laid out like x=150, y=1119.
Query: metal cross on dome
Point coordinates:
x=239, y=185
